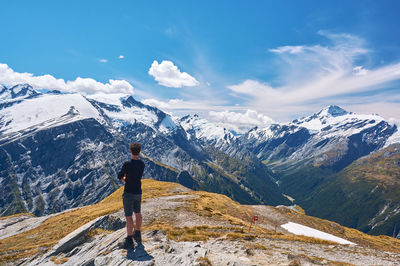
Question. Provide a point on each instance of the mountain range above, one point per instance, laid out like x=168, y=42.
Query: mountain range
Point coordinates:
x=62, y=150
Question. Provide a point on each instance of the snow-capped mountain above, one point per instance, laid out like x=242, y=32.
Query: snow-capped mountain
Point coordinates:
x=210, y=133
x=15, y=94
x=393, y=139
x=20, y=91
x=317, y=161
x=44, y=107
x=124, y=109
x=332, y=137
x=62, y=150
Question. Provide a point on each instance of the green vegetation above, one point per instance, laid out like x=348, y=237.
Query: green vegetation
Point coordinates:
x=17, y=205
x=365, y=195
x=250, y=174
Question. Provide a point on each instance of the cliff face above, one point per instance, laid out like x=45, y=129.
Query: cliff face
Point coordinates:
x=182, y=226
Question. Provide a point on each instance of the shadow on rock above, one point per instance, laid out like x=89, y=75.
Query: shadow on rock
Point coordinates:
x=138, y=254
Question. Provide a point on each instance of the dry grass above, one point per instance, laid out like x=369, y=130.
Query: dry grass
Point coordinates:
x=41, y=238
x=221, y=207
x=197, y=233
x=217, y=206
x=58, y=260
x=258, y=247
x=92, y=233
x=204, y=261
x=300, y=209
x=16, y=215
x=339, y=263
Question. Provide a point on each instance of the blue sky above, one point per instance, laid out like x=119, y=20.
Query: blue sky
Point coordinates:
x=235, y=61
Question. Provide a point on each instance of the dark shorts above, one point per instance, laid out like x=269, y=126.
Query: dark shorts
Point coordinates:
x=131, y=203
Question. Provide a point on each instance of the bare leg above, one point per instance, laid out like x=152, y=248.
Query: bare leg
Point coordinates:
x=129, y=225
x=138, y=221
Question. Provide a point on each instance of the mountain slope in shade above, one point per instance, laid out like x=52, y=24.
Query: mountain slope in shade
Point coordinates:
x=365, y=195
x=191, y=228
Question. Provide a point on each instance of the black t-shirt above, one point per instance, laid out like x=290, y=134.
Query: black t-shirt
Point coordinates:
x=133, y=170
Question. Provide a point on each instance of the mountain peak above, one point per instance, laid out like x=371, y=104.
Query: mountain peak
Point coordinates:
x=204, y=129
x=332, y=110
x=17, y=91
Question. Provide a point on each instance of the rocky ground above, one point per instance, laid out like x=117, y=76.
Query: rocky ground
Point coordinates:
x=201, y=238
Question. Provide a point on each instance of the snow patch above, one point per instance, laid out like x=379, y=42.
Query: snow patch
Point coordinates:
x=167, y=125
x=18, y=88
x=109, y=98
x=204, y=129
x=303, y=230
x=395, y=138
x=132, y=115
x=32, y=112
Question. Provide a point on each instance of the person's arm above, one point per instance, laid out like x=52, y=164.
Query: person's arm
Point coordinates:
x=122, y=173
x=141, y=170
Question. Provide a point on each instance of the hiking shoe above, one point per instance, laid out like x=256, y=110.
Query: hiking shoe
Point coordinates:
x=137, y=235
x=127, y=243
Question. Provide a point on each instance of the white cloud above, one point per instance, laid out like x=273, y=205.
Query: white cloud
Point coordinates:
x=310, y=76
x=9, y=77
x=251, y=87
x=290, y=49
x=121, y=56
x=102, y=60
x=177, y=104
x=248, y=119
x=394, y=121
x=360, y=71
x=156, y=103
x=168, y=75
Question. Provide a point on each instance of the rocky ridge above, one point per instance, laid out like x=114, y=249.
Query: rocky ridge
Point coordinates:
x=192, y=228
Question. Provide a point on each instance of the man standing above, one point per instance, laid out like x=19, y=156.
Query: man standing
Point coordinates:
x=131, y=174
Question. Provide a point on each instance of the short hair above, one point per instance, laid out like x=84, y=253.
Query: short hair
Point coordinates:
x=135, y=148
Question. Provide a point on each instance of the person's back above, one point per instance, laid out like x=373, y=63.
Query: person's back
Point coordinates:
x=131, y=174
x=133, y=171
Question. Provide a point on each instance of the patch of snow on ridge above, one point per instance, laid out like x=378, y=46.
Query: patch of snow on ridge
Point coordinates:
x=5, y=95
x=340, y=124
x=124, y=114
x=204, y=129
x=167, y=125
x=18, y=88
x=303, y=230
x=109, y=98
x=31, y=112
x=395, y=138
